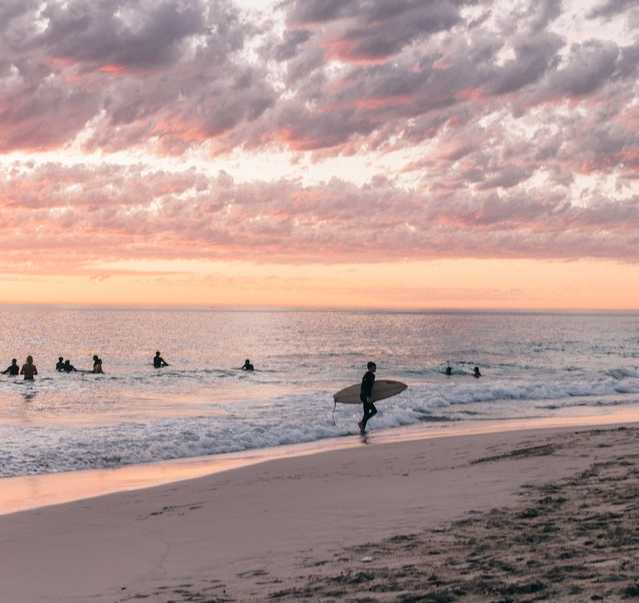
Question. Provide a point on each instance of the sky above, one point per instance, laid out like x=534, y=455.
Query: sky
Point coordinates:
x=320, y=153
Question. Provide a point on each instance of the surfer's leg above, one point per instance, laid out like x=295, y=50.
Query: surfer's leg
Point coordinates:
x=362, y=423
x=369, y=411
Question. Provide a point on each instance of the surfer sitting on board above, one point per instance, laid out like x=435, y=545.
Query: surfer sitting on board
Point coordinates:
x=366, y=394
x=67, y=367
x=158, y=361
x=248, y=366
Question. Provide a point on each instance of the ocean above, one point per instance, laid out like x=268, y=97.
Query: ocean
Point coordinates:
x=533, y=365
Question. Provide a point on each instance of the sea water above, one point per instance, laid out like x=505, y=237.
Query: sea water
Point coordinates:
x=533, y=365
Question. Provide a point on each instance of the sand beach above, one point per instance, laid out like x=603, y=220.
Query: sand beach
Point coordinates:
x=537, y=514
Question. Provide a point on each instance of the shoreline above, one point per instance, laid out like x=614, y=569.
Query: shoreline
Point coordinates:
x=25, y=493
x=299, y=525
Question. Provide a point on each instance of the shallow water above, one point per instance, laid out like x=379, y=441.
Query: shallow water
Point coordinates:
x=533, y=364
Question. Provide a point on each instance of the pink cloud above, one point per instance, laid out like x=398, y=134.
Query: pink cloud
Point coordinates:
x=70, y=211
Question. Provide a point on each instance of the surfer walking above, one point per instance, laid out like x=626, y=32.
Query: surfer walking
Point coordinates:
x=366, y=395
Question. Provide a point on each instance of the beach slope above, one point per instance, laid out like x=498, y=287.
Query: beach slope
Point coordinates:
x=377, y=521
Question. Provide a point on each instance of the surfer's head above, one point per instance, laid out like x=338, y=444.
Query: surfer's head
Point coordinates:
x=371, y=366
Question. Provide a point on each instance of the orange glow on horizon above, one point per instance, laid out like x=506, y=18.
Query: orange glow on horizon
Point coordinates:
x=454, y=284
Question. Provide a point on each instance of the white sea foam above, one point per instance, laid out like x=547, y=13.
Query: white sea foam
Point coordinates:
x=200, y=405
x=286, y=420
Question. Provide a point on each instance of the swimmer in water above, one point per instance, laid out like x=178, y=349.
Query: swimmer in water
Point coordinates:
x=29, y=370
x=59, y=365
x=13, y=369
x=476, y=373
x=67, y=367
x=248, y=366
x=97, y=365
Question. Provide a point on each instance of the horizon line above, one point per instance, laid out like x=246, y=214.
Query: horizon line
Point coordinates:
x=280, y=308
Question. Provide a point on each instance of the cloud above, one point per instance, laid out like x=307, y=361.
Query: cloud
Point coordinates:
x=483, y=129
x=173, y=76
x=126, y=74
x=610, y=8
x=87, y=214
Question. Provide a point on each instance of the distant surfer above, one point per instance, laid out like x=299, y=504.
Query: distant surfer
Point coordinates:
x=476, y=373
x=448, y=371
x=13, y=369
x=366, y=396
x=158, y=361
x=59, y=365
x=29, y=369
x=248, y=366
x=67, y=367
x=97, y=365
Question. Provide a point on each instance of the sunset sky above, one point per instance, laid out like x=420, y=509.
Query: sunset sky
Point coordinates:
x=357, y=153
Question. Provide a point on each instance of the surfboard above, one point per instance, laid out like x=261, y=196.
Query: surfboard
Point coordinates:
x=382, y=389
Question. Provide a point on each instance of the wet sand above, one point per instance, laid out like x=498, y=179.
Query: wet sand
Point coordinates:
x=522, y=515
x=33, y=491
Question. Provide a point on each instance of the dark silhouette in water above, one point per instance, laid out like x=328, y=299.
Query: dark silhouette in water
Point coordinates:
x=67, y=367
x=59, y=365
x=448, y=371
x=476, y=373
x=29, y=369
x=248, y=366
x=366, y=394
x=97, y=364
x=13, y=369
x=158, y=361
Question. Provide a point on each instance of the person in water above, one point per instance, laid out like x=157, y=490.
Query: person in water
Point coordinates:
x=448, y=371
x=59, y=365
x=67, y=367
x=248, y=366
x=29, y=370
x=476, y=373
x=13, y=369
x=97, y=365
x=366, y=396
x=158, y=361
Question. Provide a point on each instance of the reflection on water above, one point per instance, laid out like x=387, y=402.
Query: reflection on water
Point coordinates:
x=533, y=365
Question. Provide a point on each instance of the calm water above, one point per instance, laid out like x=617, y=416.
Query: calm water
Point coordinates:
x=533, y=365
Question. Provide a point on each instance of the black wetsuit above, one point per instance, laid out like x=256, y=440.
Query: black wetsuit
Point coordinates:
x=365, y=393
x=59, y=366
x=158, y=362
x=13, y=370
